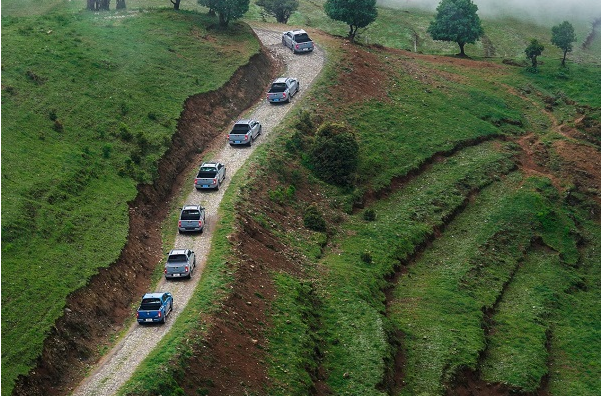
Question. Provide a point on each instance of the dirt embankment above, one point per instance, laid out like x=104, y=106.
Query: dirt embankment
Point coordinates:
x=97, y=312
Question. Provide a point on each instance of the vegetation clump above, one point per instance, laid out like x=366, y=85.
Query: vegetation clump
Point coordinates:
x=313, y=218
x=335, y=154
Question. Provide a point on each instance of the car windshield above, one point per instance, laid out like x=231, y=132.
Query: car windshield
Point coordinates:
x=150, y=304
x=241, y=128
x=190, y=215
x=177, y=258
x=302, y=38
x=278, y=87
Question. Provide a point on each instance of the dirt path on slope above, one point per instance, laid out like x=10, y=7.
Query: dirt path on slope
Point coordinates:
x=119, y=364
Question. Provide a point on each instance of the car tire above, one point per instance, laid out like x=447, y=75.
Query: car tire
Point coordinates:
x=250, y=142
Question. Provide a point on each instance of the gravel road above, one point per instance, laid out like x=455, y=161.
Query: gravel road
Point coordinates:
x=115, y=368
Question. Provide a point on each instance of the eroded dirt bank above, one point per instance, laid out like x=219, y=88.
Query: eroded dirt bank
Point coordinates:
x=97, y=312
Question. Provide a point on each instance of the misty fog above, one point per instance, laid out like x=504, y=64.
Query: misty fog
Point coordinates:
x=539, y=10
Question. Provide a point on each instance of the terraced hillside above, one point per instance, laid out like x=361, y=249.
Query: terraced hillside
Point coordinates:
x=461, y=258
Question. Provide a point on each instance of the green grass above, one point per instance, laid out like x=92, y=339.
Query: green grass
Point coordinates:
x=439, y=303
x=354, y=331
x=575, y=350
x=89, y=103
x=517, y=348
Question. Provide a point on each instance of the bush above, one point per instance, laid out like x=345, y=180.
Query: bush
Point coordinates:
x=369, y=215
x=313, y=219
x=335, y=154
x=366, y=257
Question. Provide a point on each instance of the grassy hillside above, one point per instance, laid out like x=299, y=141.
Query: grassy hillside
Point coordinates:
x=89, y=103
x=478, y=255
x=482, y=245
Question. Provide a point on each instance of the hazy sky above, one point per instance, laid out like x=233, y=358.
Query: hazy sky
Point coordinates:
x=528, y=9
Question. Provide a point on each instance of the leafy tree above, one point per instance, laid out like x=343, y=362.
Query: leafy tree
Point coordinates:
x=334, y=155
x=458, y=21
x=227, y=10
x=355, y=13
x=533, y=50
x=280, y=9
x=563, y=37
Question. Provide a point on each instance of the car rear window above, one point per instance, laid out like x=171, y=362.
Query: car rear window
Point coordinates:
x=302, y=38
x=150, y=304
x=207, y=169
x=279, y=87
x=190, y=215
x=177, y=258
x=241, y=128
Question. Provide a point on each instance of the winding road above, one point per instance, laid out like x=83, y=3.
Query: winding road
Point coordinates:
x=117, y=366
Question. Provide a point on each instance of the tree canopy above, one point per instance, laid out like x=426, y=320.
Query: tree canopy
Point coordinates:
x=533, y=50
x=227, y=10
x=458, y=21
x=280, y=9
x=334, y=154
x=355, y=13
x=563, y=37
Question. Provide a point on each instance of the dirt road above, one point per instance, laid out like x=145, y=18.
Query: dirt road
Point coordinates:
x=118, y=365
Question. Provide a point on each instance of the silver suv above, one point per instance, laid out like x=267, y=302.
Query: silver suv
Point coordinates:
x=180, y=264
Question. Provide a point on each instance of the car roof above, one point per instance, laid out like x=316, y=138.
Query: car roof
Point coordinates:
x=280, y=79
x=244, y=121
x=298, y=31
x=190, y=207
x=154, y=295
x=178, y=251
x=209, y=164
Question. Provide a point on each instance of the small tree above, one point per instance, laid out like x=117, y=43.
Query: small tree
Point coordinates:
x=533, y=50
x=280, y=9
x=563, y=37
x=227, y=10
x=458, y=21
x=355, y=13
x=335, y=154
x=175, y=4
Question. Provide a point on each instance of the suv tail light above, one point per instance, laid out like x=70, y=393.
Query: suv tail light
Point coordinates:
x=195, y=180
x=186, y=268
x=137, y=314
x=297, y=46
x=160, y=314
x=179, y=223
x=165, y=271
x=200, y=223
x=284, y=95
x=246, y=137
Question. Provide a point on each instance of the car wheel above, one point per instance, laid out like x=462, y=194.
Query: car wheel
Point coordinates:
x=250, y=141
x=217, y=188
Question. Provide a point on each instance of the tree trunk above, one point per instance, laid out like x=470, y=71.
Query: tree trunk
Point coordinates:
x=462, y=52
x=93, y=5
x=175, y=4
x=352, y=32
x=222, y=20
x=563, y=61
x=120, y=4
x=534, y=62
x=104, y=5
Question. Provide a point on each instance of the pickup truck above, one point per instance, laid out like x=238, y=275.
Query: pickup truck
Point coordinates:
x=155, y=307
x=191, y=218
x=210, y=175
x=297, y=41
x=181, y=263
x=244, y=132
x=283, y=89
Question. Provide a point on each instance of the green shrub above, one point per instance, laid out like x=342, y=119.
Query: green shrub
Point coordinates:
x=313, y=218
x=366, y=257
x=369, y=215
x=335, y=154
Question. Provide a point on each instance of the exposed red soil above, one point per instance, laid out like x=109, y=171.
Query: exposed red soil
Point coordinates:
x=98, y=311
